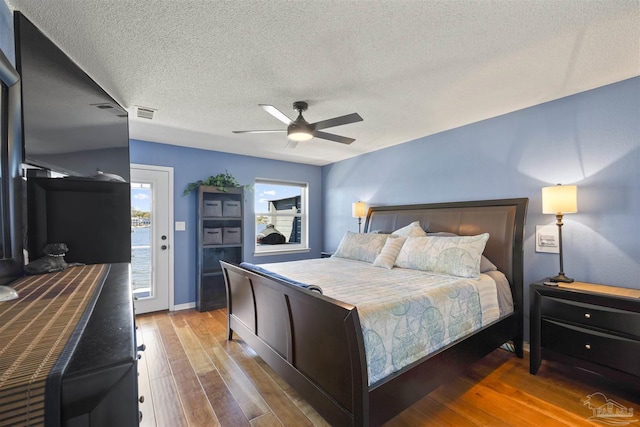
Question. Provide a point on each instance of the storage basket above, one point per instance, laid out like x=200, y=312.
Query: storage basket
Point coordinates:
x=212, y=236
x=231, y=235
x=212, y=208
x=231, y=208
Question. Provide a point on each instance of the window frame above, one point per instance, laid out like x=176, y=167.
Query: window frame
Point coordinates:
x=303, y=245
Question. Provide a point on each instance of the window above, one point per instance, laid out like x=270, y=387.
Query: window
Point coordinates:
x=281, y=216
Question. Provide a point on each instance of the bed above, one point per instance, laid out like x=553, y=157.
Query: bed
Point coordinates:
x=316, y=343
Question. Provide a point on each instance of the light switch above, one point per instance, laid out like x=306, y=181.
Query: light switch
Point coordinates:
x=181, y=226
x=547, y=239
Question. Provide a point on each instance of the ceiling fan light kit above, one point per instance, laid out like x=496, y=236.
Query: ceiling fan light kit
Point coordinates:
x=296, y=133
x=301, y=130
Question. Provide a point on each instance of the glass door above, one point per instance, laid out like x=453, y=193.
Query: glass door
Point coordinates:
x=151, y=252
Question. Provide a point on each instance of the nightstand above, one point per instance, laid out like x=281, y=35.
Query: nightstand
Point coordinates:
x=590, y=326
x=326, y=254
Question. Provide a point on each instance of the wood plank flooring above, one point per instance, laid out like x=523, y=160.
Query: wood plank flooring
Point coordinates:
x=190, y=375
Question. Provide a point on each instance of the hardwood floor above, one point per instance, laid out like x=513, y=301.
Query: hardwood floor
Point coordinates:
x=190, y=375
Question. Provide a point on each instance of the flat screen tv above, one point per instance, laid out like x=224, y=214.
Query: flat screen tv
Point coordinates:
x=70, y=124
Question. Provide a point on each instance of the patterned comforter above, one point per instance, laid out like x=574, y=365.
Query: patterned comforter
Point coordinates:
x=405, y=314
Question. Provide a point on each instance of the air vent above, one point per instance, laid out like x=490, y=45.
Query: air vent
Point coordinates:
x=145, y=113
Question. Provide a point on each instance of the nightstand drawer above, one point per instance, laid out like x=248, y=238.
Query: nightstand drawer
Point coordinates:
x=597, y=347
x=594, y=316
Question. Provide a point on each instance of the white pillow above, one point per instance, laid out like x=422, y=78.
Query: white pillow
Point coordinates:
x=412, y=230
x=485, y=264
x=456, y=256
x=389, y=252
x=361, y=246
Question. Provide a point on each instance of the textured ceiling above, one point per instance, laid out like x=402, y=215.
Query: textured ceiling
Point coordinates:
x=409, y=68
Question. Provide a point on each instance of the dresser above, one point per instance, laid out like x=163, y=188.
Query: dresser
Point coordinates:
x=68, y=350
x=100, y=385
x=590, y=326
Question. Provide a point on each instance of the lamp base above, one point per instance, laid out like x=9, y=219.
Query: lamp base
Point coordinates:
x=561, y=278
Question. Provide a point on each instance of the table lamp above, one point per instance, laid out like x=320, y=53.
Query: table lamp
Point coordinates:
x=358, y=210
x=560, y=200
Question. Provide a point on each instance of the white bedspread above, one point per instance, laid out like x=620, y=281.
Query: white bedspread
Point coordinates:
x=405, y=314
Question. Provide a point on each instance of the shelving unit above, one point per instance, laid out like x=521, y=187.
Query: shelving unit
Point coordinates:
x=220, y=237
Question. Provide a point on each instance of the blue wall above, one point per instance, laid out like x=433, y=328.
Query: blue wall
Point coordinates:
x=191, y=165
x=591, y=139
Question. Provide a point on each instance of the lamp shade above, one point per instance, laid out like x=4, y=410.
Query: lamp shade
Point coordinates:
x=560, y=199
x=358, y=209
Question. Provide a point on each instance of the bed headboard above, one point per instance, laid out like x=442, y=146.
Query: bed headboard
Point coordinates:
x=503, y=219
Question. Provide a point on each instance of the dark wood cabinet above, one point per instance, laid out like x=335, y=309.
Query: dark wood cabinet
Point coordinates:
x=590, y=326
x=100, y=385
x=220, y=238
x=71, y=350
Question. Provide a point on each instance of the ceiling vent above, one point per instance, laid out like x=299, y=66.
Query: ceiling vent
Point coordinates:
x=145, y=112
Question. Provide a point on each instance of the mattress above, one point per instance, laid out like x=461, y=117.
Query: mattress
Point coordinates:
x=404, y=314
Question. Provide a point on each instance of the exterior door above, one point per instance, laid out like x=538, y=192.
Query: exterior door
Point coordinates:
x=151, y=237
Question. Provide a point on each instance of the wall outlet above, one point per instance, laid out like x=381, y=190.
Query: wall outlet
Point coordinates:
x=181, y=226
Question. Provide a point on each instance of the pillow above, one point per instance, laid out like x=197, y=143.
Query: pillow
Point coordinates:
x=389, y=252
x=456, y=256
x=412, y=230
x=360, y=246
x=485, y=264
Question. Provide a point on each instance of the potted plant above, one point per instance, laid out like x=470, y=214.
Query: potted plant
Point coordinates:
x=222, y=181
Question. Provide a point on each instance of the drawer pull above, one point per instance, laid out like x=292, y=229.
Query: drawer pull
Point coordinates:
x=588, y=346
x=587, y=316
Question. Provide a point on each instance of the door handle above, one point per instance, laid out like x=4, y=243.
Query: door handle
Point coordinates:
x=163, y=247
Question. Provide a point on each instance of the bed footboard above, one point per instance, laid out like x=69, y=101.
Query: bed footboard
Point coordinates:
x=276, y=319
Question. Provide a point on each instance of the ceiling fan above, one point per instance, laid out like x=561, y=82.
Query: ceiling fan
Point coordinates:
x=301, y=130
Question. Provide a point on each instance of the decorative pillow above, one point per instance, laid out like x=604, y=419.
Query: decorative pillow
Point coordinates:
x=456, y=256
x=390, y=251
x=412, y=230
x=485, y=264
x=360, y=246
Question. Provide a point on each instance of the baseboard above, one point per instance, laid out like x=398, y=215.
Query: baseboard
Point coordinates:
x=185, y=306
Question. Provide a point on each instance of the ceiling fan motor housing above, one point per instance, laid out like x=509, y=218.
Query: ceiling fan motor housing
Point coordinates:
x=300, y=129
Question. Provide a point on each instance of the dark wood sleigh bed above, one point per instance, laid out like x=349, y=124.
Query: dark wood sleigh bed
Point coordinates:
x=315, y=343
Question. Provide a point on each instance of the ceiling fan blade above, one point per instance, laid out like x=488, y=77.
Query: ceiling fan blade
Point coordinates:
x=337, y=121
x=291, y=144
x=259, y=131
x=332, y=137
x=276, y=113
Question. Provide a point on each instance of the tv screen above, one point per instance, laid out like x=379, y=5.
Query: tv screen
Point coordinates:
x=70, y=124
